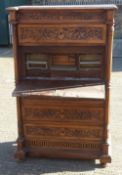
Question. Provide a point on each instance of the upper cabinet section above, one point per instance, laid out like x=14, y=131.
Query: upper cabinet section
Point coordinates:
x=61, y=14
x=60, y=25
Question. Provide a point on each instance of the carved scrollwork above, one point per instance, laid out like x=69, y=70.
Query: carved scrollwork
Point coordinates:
x=54, y=16
x=62, y=114
x=64, y=132
x=37, y=34
x=64, y=145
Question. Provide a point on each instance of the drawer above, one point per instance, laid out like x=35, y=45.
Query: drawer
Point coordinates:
x=63, y=144
x=56, y=131
x=91, y=115
x=73, y=111
x=63, y=148
x=61, y=34
x=59, y=16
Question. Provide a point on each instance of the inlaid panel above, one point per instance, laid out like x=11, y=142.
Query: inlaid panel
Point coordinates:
x=53, y=34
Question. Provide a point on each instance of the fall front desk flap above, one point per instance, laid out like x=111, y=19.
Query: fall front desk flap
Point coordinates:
x=59, y=89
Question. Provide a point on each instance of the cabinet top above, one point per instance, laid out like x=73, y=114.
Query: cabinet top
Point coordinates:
x=80, y=7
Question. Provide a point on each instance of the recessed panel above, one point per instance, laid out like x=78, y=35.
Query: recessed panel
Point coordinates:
x=60, y=65
x=63, y=62
x=90, y=61
x=36, y=61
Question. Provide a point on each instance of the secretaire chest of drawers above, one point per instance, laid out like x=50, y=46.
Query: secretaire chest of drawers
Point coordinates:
x=62, y=57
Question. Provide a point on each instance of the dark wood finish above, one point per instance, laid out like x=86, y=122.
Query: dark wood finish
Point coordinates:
x=62, y=58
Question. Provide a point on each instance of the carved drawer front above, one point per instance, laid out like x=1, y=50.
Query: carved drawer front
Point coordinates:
x=69, y=147
x=63, y=144
x=58, y=16
x=61, y=34
x=84, y=111
x=91, y=115
x=68, y=132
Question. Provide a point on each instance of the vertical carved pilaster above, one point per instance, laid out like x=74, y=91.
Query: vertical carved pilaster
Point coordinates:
x=12, y=17
x=20, y=153
x=110, y=29
x=15, y=49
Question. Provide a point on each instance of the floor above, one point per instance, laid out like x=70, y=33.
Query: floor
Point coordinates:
x=8, y=128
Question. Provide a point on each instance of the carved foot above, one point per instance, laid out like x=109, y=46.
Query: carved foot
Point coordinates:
x=103, y=165
x=20, y=155
x=104, y=160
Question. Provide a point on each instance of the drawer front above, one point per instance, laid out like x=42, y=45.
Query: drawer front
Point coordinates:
x=63, y=144
x=91, y=115
x=61, y=34
x=63, y=132
x=62, y=111
x=59, y=16
x=63, y=127
x=64, y=148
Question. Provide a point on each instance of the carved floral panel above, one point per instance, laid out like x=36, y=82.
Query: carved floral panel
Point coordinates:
x=83, y=132
x=37, y=34
x=59, y=16
x=63, y=114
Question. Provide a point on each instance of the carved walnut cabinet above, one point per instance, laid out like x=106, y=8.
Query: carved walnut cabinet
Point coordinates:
x=62, y=57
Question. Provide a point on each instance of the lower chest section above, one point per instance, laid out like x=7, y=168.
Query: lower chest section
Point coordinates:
x=63, y=126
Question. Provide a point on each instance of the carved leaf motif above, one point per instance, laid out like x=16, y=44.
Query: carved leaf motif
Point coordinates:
x=59, y=16
x=42, y=33
x=67, y=132
x=62, y=114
